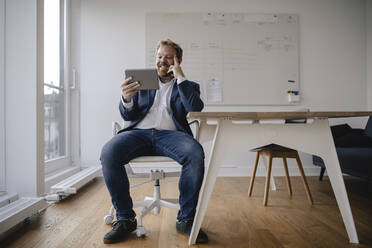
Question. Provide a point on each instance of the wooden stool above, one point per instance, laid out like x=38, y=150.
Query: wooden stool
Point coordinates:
x=276, y=151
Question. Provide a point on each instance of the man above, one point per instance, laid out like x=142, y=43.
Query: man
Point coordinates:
x=158, y=127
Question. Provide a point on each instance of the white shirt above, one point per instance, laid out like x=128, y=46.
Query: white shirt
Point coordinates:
x=158, y=116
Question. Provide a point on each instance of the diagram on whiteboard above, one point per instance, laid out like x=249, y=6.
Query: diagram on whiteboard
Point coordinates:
x=237, y=58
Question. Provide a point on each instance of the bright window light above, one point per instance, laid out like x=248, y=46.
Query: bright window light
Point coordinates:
x=54, y=90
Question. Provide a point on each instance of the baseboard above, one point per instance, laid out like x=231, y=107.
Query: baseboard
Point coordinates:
x=230, y=171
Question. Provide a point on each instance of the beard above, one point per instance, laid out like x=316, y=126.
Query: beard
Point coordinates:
x=163, y=73
x=163, y=70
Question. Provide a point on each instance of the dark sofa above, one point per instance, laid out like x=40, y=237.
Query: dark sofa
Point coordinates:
x=354, y=150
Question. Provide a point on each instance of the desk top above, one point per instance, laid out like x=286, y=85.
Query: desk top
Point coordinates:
x=276, y=115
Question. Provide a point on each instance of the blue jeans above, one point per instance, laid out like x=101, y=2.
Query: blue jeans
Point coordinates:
x=177, y=145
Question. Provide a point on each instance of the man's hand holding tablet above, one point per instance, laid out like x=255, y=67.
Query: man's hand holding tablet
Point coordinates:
x=128, y=89
x=138, y=79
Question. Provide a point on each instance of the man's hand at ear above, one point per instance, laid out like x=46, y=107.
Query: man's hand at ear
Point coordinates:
x=176, y=68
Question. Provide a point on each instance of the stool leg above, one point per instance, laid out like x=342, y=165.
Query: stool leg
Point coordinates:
x=253, y=174
x=267, y=184
x=287, y=176
x=304, y=179
x=272, y=180
x=322, y=170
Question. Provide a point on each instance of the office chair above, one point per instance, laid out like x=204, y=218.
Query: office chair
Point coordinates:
x=156, y=201
x=276, y=151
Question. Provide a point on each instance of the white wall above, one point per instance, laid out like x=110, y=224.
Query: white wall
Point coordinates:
x=369, y=51
x=24, y=97
x=2, y=96
x=112, y=37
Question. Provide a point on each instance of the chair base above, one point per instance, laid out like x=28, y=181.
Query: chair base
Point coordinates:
x=145, y=206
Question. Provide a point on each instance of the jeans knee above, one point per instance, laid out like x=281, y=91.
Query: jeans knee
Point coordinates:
x=110, y=153
x=194, y=155
x=106, y=153
x=194, y=152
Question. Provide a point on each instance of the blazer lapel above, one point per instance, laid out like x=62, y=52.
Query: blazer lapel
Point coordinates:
x=174, y=92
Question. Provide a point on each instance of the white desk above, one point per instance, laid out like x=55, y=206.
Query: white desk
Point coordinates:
x=314, y=138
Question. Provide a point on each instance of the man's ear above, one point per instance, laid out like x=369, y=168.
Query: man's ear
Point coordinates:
x=180, y=61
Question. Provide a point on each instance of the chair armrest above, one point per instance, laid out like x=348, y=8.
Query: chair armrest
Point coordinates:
x=116, y=127
x=197, y=124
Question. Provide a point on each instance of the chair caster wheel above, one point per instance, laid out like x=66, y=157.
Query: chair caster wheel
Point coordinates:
x=140, y=231
x=108, y=219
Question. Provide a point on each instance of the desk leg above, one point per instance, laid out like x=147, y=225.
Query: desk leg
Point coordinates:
x=272, y=182
x=320, y=142
x=337, y=182
x=206, y=189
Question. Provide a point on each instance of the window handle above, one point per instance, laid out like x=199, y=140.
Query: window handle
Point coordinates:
x=73, y=85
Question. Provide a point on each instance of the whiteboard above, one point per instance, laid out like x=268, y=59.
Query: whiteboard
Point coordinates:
x=237, y=58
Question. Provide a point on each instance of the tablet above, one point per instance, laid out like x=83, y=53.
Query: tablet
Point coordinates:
x=148, y=78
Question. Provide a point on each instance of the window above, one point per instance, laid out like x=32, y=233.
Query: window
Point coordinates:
x=56, y=87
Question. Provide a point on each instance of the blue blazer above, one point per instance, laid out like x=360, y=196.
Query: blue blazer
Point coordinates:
x=185, y=98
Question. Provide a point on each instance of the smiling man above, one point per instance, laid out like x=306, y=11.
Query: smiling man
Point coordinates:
x=158, y=127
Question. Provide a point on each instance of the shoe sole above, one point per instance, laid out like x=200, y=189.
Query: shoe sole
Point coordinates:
x=108, y=241
x=112, y=241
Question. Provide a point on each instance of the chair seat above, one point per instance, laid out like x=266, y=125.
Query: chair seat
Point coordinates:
x=148, y=159
x=272, y=147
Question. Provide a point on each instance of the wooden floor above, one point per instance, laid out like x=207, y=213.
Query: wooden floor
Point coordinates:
x=232, y=219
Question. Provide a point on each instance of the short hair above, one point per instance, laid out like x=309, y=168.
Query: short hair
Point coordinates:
x=168, y=42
